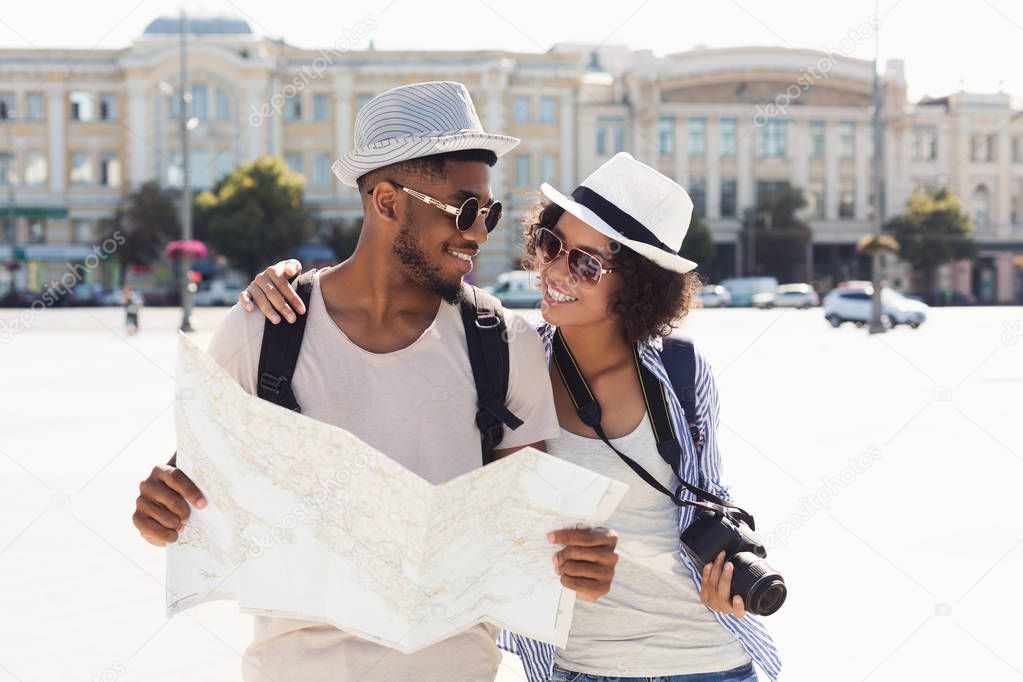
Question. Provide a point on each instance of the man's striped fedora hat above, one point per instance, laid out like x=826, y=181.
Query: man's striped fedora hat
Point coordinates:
x=413, y=121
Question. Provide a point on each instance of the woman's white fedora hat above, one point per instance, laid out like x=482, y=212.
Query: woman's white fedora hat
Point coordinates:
x=635, y=205
x=412, y=121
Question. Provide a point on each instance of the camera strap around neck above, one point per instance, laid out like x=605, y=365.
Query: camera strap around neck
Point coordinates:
x=668, y=447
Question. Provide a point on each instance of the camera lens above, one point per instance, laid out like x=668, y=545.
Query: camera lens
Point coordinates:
x=762, y=589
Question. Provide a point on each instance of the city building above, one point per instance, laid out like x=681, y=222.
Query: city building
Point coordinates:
x=81, y=128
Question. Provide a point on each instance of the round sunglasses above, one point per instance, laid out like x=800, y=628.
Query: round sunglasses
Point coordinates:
x=466, y=214
x=584, y=267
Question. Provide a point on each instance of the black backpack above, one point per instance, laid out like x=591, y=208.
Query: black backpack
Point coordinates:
x=679, y=358
x=483, y=319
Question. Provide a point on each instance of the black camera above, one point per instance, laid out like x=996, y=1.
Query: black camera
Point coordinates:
x=762, y=589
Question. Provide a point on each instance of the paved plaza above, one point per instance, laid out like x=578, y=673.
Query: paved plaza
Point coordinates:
x=885, y=474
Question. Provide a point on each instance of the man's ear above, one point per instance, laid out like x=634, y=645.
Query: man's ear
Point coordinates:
x=383, y=200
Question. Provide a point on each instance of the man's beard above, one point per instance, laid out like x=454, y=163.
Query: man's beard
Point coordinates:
x=418, y=268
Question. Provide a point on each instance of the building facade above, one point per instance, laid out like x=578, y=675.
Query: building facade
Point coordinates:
x=81, y=128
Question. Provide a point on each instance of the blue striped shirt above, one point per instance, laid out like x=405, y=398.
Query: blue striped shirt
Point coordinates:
x=701, y=468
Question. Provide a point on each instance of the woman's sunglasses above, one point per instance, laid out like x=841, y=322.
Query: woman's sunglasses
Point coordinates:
x=466, y=214
x=584, y=267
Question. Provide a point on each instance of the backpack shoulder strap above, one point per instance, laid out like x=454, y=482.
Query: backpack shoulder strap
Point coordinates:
x=278, y=354
x=487, y=341
x=679, y=357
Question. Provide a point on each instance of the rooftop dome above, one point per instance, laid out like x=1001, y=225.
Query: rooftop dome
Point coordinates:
x=199, y=26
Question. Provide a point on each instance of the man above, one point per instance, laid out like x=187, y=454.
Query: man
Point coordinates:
x=384, y=356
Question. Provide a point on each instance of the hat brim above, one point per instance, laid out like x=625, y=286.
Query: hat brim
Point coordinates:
x=358, y=162
x=662, y=258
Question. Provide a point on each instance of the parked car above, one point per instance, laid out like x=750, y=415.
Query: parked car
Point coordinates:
x=217, y=292
x=715, y=296
x=517, y=289
x=787, y=296
x=854, y=305
x=743, y=289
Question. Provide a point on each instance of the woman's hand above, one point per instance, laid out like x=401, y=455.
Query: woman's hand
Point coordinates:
x=717, y=587
x=587, y=563
x=273, y=294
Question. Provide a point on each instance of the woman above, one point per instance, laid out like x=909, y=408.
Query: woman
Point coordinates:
x=613, y=285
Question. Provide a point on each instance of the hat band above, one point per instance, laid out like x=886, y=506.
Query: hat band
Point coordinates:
x=618, y=219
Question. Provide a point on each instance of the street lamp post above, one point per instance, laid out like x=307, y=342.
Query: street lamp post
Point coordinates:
x=876, y=325
x=186, y=189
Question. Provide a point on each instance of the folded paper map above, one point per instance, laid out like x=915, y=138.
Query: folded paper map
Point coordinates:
x=304, y=520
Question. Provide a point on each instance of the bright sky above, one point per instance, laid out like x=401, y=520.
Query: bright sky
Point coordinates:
x=946, y=45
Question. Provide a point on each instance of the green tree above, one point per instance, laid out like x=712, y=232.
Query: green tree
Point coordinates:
x=698, y=245
x=781, y=237
x=148, y=219
x=255, y=215
x=933, y=230
x=342, y=236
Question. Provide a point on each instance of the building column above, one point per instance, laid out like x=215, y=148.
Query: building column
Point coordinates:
x=864, y=154
x=568, y=141
x=138, y=144
x=745, y=180
x=343, y=142
x=1004, y=278
x=712, y=183
x=831, y=171
x=275, y=141
x=57, y=142
x=1002, y=201
x=256, y=115
x=681, y=151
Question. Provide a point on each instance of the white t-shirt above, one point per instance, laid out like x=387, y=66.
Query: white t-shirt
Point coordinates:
x=652, y=622
x=417, y=405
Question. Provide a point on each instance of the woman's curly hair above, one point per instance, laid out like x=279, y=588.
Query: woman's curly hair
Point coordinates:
x=650, y=302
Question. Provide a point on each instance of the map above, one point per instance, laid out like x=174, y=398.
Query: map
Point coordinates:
x=304, y=520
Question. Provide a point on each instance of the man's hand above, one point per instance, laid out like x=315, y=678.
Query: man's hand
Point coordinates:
x=272, y=293
x=587, y=563
x=717, y=587
x=162, y=506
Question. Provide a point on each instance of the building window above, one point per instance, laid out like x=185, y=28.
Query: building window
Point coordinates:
x=37, y=231
x=35, y=168
x=1017, y=150
x=522, y=171
x=82, y=231
x=222, y=165
x=293, y=108
x=846, y=199
x=223, y=106
x=817, y=139
x=108, y=108
x=729, y=136
x=81, y=106
x=729, y=198
x=200, y=102
x=610, y=136
x=293, y=161
x=697, y=136
x=981, y=202
x=34, y=107
x=548, y=112
x=321, y=108
x=548, y=163
x=846, y=139
x=81, y=169
x=925, y=143
x=6, y=169
x=7, y=109
x=983, y=148
x=816, y=199
x=521, y=106
x=109, y=170
x=666, y=135
x=773, y=139
x=321, y=170
x=698, y=193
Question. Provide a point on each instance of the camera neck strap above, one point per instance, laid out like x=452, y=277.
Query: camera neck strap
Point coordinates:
x=668, y=447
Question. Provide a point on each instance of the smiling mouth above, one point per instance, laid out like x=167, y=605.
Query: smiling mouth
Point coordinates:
x=557, y=296
x=463, y=256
